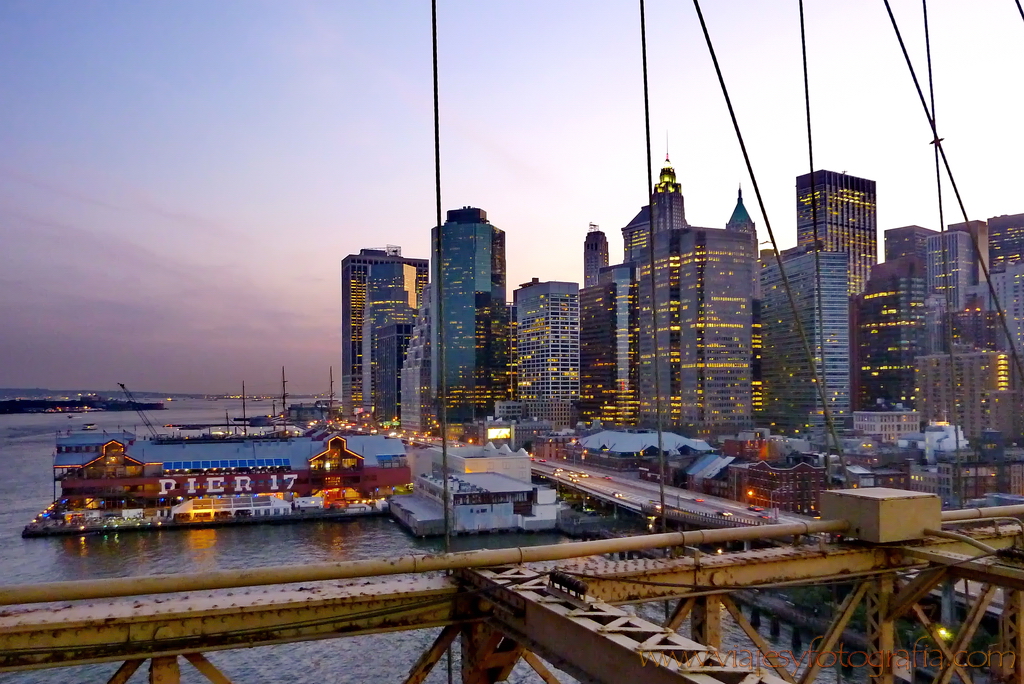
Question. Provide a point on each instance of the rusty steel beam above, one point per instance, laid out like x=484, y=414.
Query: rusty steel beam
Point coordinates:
x=164, y=670
x=948, y=656
x=207, y=668
x=153, y=628
x=288, y=574
x=835, y=630
x=125, y=672
x=767, y=651
x=966, y=632
x=429, y=658
x=542, y=671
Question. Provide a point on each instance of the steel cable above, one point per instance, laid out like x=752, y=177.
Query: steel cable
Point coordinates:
x=771, y=234
x=652, y=205
x=956, y=191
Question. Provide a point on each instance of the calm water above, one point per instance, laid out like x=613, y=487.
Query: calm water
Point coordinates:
x=26, y=487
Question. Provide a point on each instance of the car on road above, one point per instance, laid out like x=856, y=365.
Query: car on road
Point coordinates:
x=756, y=509
x=618, y=495
x=766, y=517
x=699, y=500
x=725, y=514
x=607, y=477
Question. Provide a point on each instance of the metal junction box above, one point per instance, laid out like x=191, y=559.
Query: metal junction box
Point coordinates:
x=880, y=515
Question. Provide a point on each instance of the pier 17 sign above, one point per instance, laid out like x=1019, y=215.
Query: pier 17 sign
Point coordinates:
x=228, y=484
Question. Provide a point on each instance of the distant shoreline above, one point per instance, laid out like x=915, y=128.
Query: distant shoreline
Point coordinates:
x=76, y=405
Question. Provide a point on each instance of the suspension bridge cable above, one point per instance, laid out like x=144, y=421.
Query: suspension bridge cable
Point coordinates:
x=814, y=224
x=1020, y=9
x=951, y=402
x=775, y=246
x=956, y=192
x=439, y=304
x=652, y=205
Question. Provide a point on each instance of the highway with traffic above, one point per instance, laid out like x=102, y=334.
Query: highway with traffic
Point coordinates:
x=633, y=493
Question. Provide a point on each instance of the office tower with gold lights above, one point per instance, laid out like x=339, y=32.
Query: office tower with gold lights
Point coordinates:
x=381, y=275
x=845, y=208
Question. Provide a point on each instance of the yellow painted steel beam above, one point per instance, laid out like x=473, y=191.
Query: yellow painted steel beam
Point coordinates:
x=153, y=628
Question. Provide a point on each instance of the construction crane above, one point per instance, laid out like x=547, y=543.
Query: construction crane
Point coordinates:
x=138, y=409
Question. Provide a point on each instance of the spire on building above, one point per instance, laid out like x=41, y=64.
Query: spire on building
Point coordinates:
x=740, y=220
x=667, y=179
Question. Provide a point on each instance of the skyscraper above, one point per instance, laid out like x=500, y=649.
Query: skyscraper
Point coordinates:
x=608, y=347
x=361, y=275
x=951, y=265
x=670, y=213
x=907, y=241
x=475, y=316
x=417, y=401
x=1006, y=239
x=595, y=255
x=792, y=403
x=740, y=221
x=548, y=349
x=704, y=285
x=889, y=333
x=846, y=221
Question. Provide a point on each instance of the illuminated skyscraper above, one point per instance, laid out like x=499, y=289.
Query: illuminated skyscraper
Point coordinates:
x=889, y=329
x=845, y=209
x=548, y=349
x=791, y=399
x=704, y=283
x=361, y=276
x=595, y=255
x=1006, y=239
x=951, y=265
x=608, y=348
x=475, y=316
x=670, y=213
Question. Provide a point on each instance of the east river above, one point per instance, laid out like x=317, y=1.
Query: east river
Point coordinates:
x=26, y=487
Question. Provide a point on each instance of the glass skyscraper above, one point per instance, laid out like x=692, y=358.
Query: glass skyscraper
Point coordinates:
x=791, y=401
x=475, y=316
x=847, y=222
x=608, y=347
x=595, y=255
x=361, y=276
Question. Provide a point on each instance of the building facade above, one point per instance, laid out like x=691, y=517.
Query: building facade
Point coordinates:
x=845, y=209
x=361, y=276
x=702, y=293
x=1006, y=239
x=547, y=346
x=979, y=396
x=595, y=255
x=417, y=401
x=887, y=426
x=951, y=266
x=889, y=329
x=791, y=400
x=907, y=241
x=608, y=348
x=475, y=315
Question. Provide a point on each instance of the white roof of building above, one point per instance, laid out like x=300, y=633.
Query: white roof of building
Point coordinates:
x=493, y=482
x=637, y=442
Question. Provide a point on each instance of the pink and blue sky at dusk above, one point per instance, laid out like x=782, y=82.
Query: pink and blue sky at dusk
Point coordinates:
x=179, y=181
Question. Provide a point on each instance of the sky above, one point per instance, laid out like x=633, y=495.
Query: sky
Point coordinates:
x=180, y=179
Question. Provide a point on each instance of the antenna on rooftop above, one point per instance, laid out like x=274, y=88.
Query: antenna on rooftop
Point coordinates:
x=594, y=227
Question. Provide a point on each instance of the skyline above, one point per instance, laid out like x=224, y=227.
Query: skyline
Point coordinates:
x=181, y=181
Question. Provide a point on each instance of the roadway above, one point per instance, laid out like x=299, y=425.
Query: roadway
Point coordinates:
x=633, y=493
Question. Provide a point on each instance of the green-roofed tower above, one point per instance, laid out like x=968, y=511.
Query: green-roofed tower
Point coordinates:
x=740, y=220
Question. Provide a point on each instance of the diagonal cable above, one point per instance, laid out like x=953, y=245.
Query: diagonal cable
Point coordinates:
x=654, y=290
x=820, y=332
x=956, y=191
x=775, y=246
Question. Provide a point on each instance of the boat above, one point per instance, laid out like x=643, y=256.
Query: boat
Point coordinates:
x=89, y=426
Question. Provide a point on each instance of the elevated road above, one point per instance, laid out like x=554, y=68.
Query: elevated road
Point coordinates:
x=641, y=495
